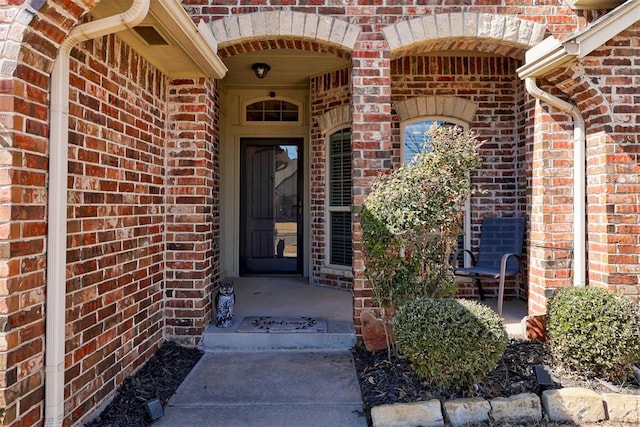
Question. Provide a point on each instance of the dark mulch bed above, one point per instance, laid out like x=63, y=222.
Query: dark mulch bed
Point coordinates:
x=158, y=378
x=384, y=381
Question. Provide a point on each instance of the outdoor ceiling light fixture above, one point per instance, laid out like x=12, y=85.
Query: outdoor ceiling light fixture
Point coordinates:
x=261, y=69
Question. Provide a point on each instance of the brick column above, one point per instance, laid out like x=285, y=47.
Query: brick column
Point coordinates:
x=371, y=141
x=193, y=196
x=612, y=214
x=551, y=216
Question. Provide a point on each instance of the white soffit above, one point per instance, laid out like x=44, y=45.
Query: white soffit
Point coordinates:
x=169, y=39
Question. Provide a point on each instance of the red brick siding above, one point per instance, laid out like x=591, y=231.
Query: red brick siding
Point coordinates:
x=614, y=248
x=24, y=91
x=371, y=142
x=193, y=212
x=116, y=214
x=604, y=86
x=551, y=197
x=327, y=92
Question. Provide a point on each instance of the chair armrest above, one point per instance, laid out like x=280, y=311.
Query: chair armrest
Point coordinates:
x=505, y=259
x=474, y=260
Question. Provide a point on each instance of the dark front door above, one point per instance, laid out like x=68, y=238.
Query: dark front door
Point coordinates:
x=271, y=206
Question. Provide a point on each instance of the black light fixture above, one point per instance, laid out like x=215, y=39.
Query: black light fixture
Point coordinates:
x=261, y=69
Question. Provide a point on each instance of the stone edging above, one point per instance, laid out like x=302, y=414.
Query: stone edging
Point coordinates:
x=576, y=404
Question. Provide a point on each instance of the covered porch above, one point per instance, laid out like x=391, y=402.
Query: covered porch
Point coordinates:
x=295, y=297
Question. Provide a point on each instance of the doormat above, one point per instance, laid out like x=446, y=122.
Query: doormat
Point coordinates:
x=282, y=324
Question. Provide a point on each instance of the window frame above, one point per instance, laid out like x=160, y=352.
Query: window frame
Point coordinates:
x=329, y=209
x=466, y=226
x=245, y=105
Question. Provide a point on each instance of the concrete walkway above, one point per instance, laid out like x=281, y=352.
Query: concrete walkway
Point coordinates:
x=269, y=388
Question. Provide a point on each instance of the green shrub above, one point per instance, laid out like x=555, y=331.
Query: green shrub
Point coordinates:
x=450, y=343
x=594, y=332
x=411, y=219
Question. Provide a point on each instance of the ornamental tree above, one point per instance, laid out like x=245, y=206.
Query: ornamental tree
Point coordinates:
x=412, y=217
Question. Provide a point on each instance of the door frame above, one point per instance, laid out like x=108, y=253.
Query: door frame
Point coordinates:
x=232, y=130
x=268, y=141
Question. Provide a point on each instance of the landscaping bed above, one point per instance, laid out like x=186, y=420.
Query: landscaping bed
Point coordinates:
x=158, y=378
x=384, y=381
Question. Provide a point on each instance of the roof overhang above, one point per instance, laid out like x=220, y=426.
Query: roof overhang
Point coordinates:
x=552, y=53
x=592, y=4
x=169, y=39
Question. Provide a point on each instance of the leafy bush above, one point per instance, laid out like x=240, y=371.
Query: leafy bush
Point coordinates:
x=411, y=219
x=451, y=343
x=594, y=332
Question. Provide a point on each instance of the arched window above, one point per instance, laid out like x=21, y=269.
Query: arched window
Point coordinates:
x=414, y=141
x=272, y=110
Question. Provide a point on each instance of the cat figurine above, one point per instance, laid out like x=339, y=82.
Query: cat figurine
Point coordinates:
x=225, y=300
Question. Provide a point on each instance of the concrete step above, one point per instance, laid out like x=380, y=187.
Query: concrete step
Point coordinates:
x=340, y=335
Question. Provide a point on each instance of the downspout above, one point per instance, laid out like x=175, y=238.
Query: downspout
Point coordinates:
x=57, y=209
x=579, y=180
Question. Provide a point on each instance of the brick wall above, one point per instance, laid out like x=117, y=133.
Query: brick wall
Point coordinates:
x=560, y=20
x=327, y=92
x=193, y=212
x=551, y=202
x=371, y=142
x=604, y=86
x=116, y=215
x=29, y=34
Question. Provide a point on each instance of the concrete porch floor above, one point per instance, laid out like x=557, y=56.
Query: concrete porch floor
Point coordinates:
x=295, y=297
x=286, y=297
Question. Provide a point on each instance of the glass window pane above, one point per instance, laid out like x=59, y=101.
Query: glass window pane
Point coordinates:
x=272, y=110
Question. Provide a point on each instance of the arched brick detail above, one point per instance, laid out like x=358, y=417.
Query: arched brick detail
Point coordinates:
x=273, y=44
x=285, y=25
x=450, y=106
x=501, y=34
x=333, y=118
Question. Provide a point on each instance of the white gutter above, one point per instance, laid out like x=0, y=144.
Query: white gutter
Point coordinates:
x=579, y=180
x=57, y=209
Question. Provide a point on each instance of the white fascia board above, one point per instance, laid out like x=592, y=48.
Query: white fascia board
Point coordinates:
x=197, y=42
x=551, y=53
x=546, y=56
x=601, y=31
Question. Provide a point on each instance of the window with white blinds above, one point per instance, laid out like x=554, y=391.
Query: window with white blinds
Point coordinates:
x=339, y=200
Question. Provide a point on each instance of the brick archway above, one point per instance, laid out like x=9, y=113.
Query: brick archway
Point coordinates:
x=284, y=25
x=448, y=106
x=484, y=32
x=333, y=118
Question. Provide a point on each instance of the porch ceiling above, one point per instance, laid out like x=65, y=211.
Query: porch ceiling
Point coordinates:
x=288, y=67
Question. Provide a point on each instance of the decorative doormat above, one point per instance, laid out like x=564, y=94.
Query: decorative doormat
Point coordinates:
x=282, y=324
